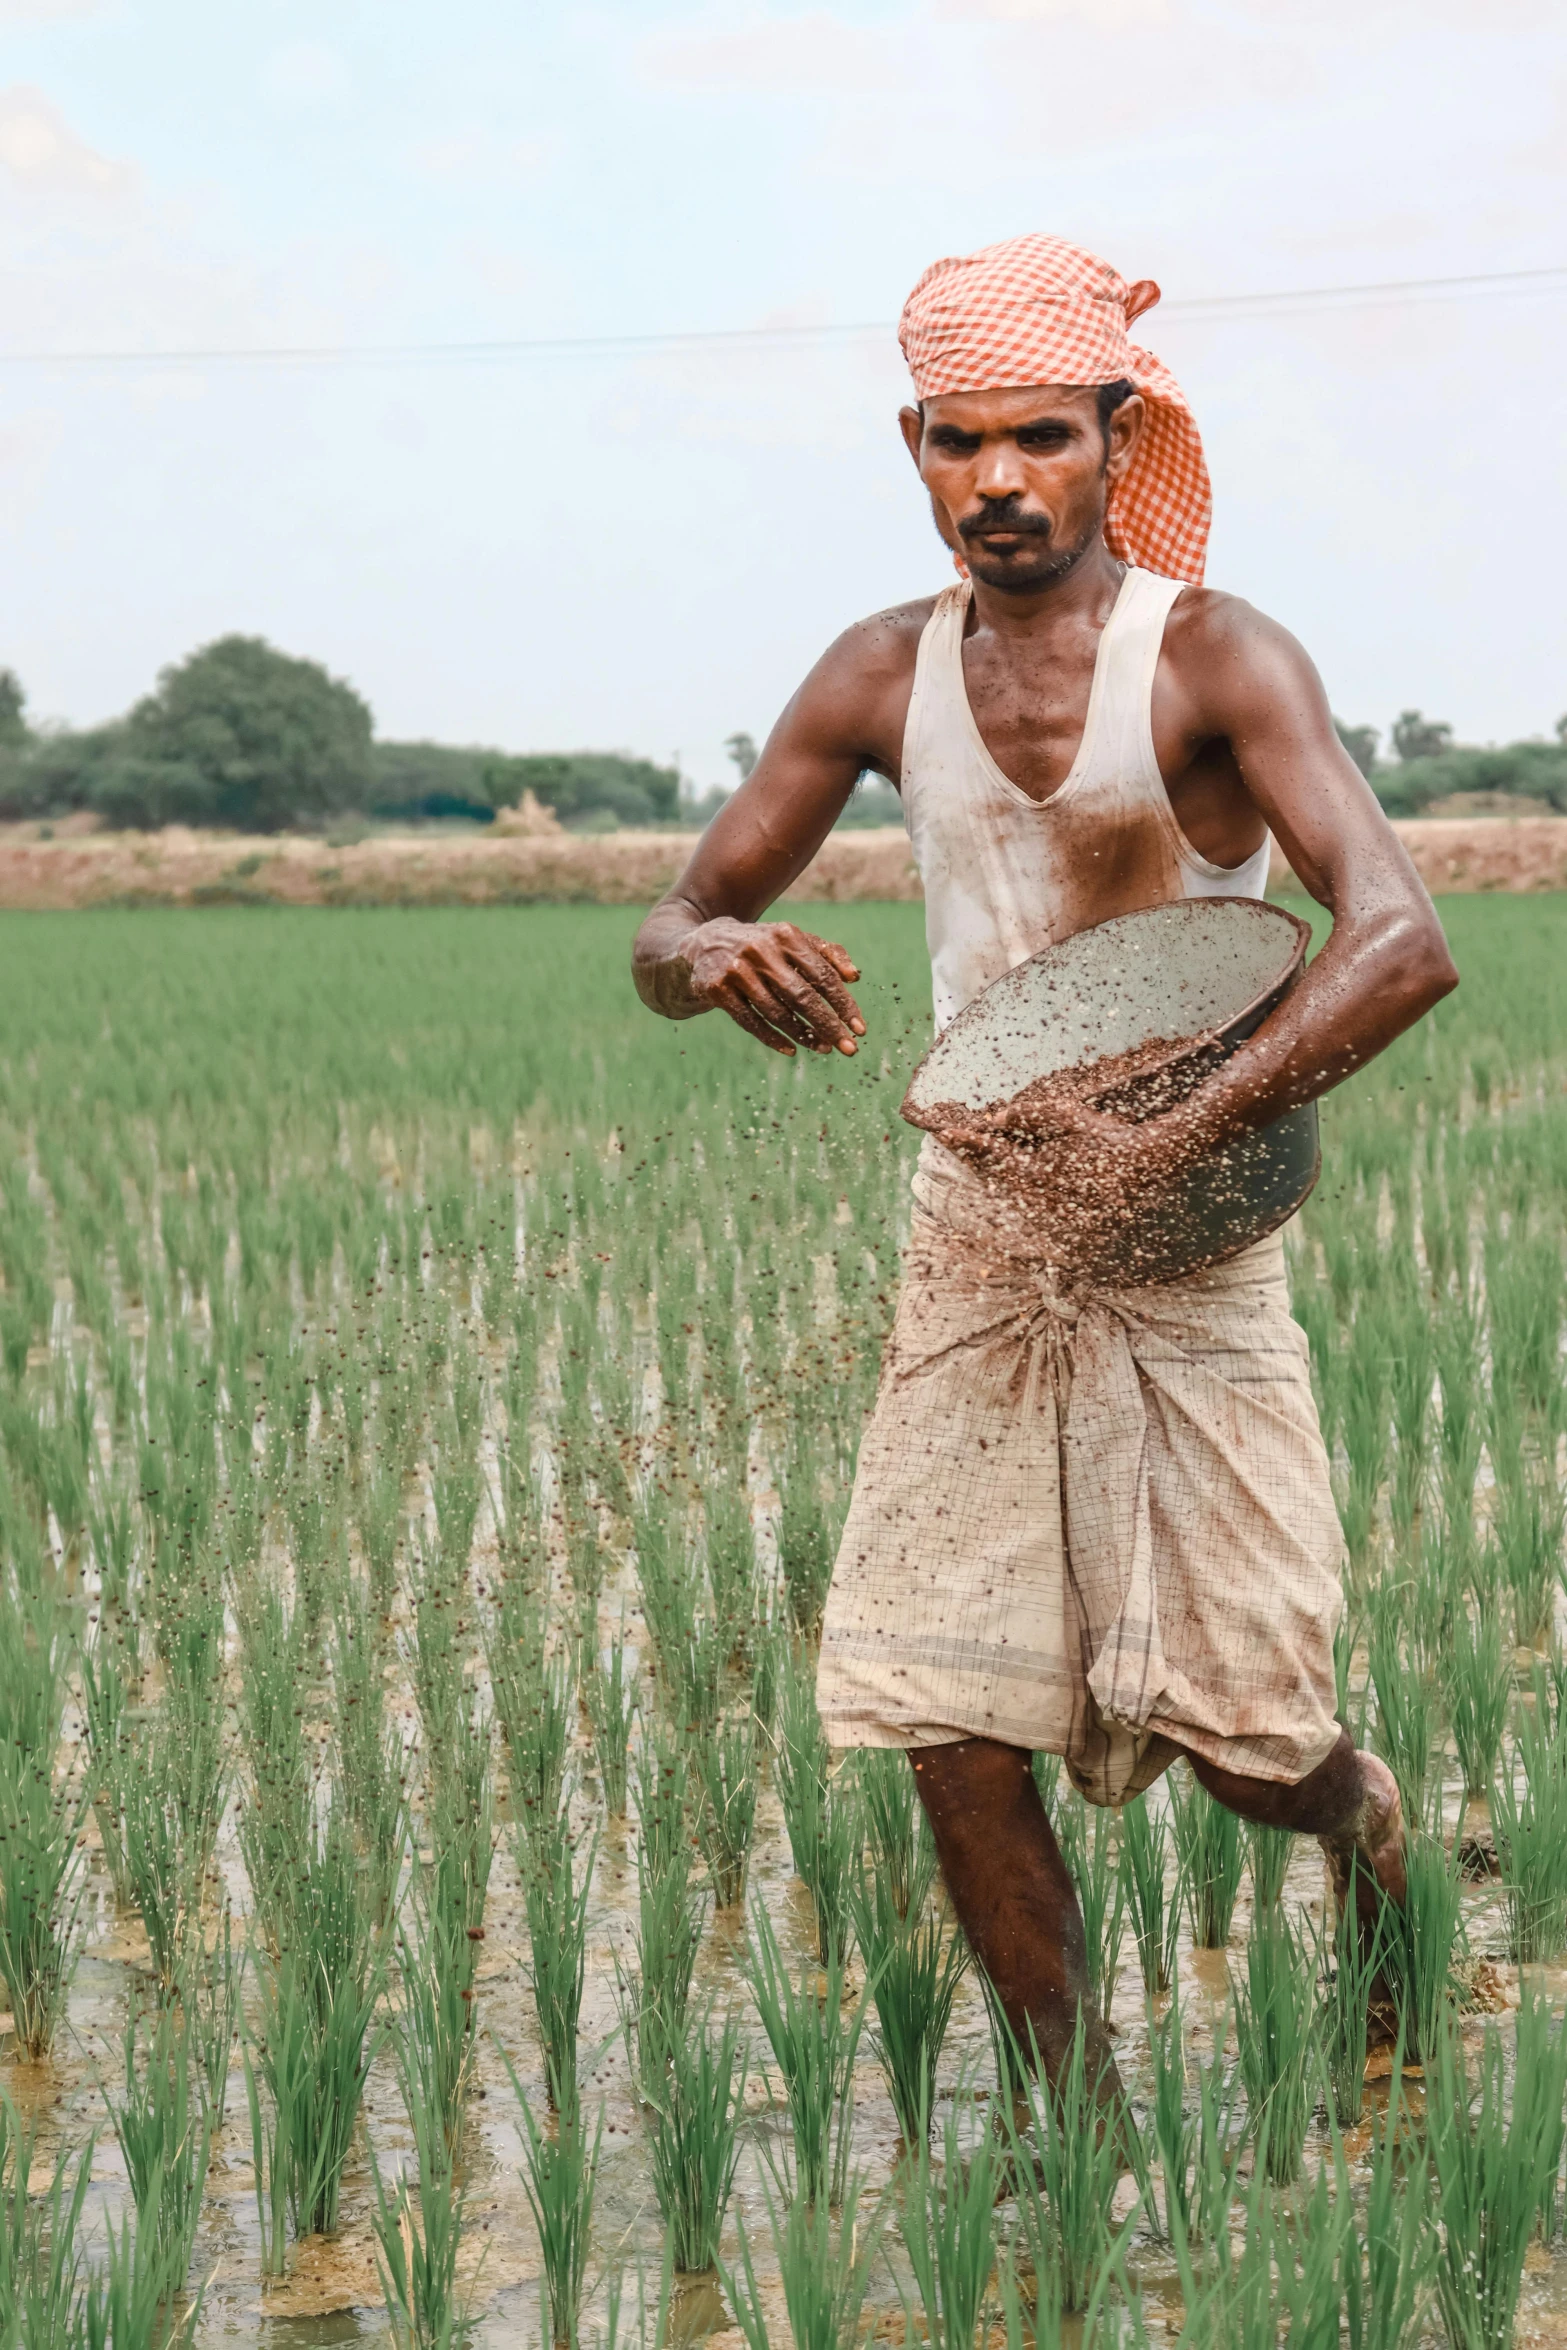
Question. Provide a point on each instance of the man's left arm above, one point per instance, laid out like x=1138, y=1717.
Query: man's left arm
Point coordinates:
x=1386, y=960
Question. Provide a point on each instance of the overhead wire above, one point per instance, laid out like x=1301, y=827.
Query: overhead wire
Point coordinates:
x=1277, y=301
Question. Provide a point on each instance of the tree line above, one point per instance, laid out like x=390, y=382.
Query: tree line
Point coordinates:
x=243, y=737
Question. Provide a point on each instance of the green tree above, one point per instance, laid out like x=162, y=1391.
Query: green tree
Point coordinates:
x=240, y=734
x=13, y=709
x=742, y=749
x=1418, y=737
x=585, y=787
x=1360, y=742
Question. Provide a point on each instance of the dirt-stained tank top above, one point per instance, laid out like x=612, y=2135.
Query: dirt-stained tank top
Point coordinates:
x=1004, y=874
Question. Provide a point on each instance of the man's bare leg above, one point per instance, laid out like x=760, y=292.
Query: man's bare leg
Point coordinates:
x=1014, y=1896
x=1350, y=1803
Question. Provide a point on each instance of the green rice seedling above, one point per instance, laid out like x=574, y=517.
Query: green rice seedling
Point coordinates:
x=1402, y=1734
x=730, y=1550
x=610, y=1689
x=1412, y=1373
x=165, y=2129
x=557, y=1906
x=696, y=2140
x=1530, y=1827
x=127, y=2300
x=1067, y=2144
x=209, y=2000
x=418, y=2229
x=40, y=2236
x=440, y=1956
x=897, y=1834
x=1210, y=1855
x=535, y=1703
x=104, y=1706
x=1194, y=2145
x=369, y=1752
x=1541, y=2048
x=693, y=1666
x=814, y=2049
x=1275, y=2039
x=1528, y=1515
x=806, y=1530
x=913, y=1971
x=1477, y=1683
x=437, y=1655
x=822, y=1813
x=560, y=2179
x=1350, y=1964
x=1364, y=1425
x=1268, y=1854
x=662, y=1773
x=277, y=1669
x=769, y=1661
x=824, y=2269
x=724, y=1761
x=287, y=2170
x=655, y=1998
x=1425, y=1932
x=1386, y=2263
x=173, y=1794
x=319, y=1998
x=1154, y=1909
x=1101, y=1892
x=41, y=1881
x=1488, y=2164
x=947, y=2220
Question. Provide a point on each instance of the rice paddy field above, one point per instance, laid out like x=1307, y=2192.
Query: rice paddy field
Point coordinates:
x=429, y=1392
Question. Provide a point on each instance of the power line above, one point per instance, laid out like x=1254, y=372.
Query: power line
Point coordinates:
x=1385, y=293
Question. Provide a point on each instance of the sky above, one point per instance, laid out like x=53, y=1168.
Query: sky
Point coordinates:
x=645, y=547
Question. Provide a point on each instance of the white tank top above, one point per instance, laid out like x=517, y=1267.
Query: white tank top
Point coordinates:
x=1004, y=874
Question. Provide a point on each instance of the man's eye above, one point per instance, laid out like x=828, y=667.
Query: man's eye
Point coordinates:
x=956, y=444
x=1044, y=436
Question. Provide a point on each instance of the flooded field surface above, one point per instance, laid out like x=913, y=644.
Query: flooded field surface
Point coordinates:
x=429, y=1396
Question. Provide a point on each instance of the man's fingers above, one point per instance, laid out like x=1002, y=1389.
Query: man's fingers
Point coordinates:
x=814, y=957
x=733, y=1002
x=795, y=969
x=775, y=1006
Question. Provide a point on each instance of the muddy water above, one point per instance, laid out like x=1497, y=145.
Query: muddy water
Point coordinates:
x=332, y=2296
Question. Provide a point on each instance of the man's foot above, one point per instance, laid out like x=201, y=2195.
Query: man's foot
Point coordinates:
x=1368, y=1854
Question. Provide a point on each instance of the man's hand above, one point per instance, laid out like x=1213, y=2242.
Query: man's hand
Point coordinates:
x=779, y=983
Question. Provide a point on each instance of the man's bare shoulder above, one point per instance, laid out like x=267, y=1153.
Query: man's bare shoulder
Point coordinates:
x=1217, y=642
x=856, y=699
x=883, y=647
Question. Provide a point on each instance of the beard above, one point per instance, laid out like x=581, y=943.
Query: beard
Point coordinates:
x=1039, y=562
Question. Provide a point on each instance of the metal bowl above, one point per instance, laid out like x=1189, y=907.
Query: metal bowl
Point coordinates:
x=1163, y=997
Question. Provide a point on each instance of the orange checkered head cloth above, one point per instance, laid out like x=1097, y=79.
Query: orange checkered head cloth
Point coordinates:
x=1036, y=310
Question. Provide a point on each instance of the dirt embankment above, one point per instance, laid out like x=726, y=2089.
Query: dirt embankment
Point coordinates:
x=181, y=868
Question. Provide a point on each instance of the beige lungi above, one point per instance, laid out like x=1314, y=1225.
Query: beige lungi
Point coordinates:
x=1096, y=1525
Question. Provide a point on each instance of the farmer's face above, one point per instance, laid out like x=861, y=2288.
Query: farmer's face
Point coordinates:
x=1019, y=480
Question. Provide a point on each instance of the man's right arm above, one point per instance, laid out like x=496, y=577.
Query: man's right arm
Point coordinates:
x=702, y=948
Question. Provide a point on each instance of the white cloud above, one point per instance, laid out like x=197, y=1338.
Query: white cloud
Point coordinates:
x=40, y=153
x=305, y=73
x=476, y=153
x=43, y=11
x=816, y=51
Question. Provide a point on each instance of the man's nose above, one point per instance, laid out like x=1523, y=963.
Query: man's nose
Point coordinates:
x=1000, y=472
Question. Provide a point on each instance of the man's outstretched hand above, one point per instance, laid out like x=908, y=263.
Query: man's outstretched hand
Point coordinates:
x=779, y=983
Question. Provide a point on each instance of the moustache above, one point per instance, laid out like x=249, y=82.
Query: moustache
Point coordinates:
x=1006, y=516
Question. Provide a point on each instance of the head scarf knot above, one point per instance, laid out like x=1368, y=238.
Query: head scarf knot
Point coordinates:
x=1036, y=310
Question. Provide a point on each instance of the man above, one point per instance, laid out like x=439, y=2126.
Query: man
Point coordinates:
x=1090, y=1517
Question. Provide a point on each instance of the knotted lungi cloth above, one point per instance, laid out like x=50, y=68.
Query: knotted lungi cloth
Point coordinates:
x=1096, y=1524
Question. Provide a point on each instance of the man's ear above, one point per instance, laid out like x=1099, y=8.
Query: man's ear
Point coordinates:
x=911, y=423
x=1125, y=431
